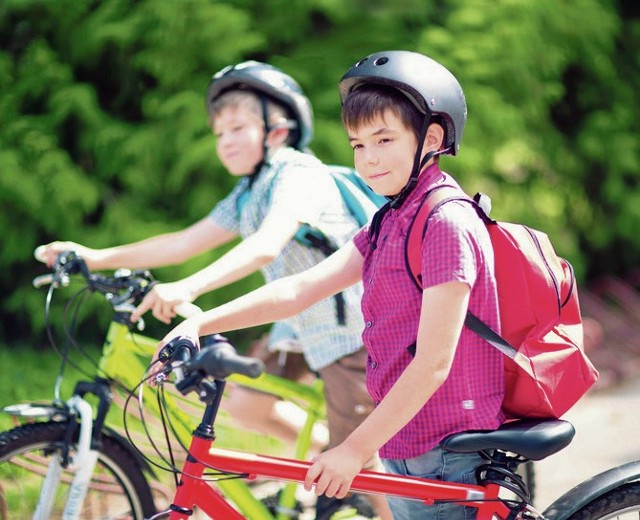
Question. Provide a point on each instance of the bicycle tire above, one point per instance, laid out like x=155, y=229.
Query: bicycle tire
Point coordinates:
x=118, y=487
x=620, y=503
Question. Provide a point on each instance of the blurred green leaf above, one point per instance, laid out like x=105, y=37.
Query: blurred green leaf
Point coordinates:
x=104, y=139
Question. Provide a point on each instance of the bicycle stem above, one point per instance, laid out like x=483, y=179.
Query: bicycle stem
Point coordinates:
x=205, y=429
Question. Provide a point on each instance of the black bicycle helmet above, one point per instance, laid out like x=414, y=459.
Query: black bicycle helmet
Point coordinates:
x=429, y=86
x=271, y=81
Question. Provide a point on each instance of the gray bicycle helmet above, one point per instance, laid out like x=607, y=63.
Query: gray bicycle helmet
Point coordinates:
x=429, y=86
x=271, y=81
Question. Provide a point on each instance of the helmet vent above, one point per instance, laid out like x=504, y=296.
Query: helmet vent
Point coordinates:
x=362, y=62
x=381, y=61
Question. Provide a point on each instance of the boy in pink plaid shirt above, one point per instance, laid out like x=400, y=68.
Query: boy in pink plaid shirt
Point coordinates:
x=429, y=376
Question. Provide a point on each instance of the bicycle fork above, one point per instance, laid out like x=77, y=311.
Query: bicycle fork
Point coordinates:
x=83, y=463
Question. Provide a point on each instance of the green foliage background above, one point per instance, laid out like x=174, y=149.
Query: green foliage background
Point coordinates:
x=103, y=135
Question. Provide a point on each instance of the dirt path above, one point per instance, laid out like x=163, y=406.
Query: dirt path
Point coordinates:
x=607, y=426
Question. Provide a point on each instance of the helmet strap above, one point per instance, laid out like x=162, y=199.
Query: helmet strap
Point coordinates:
x=396, y=201
x=265, y=149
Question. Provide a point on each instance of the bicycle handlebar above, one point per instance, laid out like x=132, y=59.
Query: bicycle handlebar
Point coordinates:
x=218, y=359
x=124, y=290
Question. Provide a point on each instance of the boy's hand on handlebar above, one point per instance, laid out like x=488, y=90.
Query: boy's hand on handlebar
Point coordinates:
x=47, y=253
x=184, y=330
x=163, y=301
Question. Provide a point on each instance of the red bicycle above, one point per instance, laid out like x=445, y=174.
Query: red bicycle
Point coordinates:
x=501, y=493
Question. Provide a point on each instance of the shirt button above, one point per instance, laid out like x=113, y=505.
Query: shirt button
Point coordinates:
x=369, y=324
x=374, y=364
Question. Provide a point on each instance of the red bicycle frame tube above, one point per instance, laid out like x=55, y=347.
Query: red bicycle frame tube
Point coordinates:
x=192, y=490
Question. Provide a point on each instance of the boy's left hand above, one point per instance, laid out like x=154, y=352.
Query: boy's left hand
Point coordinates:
x=187, y=329
x=333, y=472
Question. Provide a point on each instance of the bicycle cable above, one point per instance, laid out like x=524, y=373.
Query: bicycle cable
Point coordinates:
x=165, y=419
x=71, y=310
x=169, y=466
x=125, y=419
x=69, y=324
x=62, y=352
x=111, y=289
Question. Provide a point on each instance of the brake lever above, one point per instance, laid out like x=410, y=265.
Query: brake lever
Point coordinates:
x=50, y=279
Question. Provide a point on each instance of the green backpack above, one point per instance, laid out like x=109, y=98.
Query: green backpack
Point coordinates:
x=362, y=203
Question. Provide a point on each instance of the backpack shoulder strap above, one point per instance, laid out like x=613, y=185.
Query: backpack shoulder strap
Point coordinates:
x=361, y=201
x=432, y=200
x=413, y=253
x=243, y=196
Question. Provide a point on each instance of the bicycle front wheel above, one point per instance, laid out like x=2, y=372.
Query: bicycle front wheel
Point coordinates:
x=622, y=503
x=118, y=488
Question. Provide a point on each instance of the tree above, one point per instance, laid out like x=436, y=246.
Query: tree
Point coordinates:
x=104, y=138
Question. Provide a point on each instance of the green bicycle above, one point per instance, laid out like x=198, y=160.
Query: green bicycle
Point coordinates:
x=74, y=458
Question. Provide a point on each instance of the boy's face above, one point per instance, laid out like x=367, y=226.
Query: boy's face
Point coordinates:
x=239, y=139
x=383, y=152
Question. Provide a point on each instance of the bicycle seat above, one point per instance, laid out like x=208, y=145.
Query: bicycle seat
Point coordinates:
x=533, y=439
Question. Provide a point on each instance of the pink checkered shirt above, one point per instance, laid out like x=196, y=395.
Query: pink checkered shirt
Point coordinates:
x=456, y=247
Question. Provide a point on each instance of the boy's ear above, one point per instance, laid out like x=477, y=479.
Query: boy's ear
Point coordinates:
x=434, y=138
x=277, y=137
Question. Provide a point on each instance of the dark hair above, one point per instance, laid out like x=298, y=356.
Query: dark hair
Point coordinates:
x=367, y=102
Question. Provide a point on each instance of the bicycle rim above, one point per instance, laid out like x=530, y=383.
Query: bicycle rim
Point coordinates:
x=118, y=490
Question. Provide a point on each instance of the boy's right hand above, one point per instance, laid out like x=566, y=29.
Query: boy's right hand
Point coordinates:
x=166, y=300
x=47, y=253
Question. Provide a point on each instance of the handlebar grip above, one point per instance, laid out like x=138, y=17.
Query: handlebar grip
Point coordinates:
x=67, y=262
x=221, y=360
x=237, y=364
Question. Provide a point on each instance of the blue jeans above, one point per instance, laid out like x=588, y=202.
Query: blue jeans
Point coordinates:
x=439, y=465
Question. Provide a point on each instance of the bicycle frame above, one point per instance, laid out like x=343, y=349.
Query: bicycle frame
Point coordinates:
x=616, y=491
x=127, y=354
x=125, y=357
x=194, y=490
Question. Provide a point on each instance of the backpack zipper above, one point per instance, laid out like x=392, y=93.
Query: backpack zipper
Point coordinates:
x=546, y=263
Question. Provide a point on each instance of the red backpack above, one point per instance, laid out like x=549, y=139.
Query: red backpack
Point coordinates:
x=546, y=369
